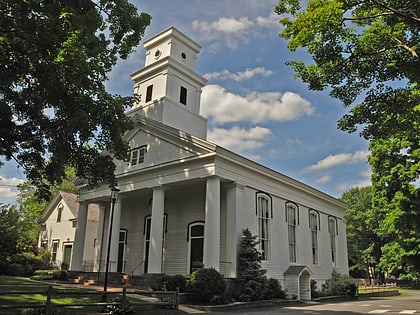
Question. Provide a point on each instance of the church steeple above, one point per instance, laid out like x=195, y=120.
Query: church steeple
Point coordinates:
x=168, y=87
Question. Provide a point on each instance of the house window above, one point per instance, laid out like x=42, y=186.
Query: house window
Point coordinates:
x=137, y=155
x=263, y=215
x=54, y=250
x=292, y=225
x=183, y=96
x=332, y=229
x=314, y=227
x=59, y=212
x=149, y=92
x=195, y=238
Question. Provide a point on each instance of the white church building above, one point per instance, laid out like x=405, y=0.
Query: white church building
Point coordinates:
x=184, y=201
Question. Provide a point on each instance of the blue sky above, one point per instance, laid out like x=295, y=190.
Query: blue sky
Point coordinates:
x=254, y=104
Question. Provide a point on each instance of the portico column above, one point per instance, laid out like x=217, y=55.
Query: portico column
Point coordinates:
x=234, y=195
x=79, y=238
x=156, y=231
x=212, y=224
x=115, y=236
x=98, y=243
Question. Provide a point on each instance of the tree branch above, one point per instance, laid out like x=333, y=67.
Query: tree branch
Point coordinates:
x=411, y=50
x=408, y=16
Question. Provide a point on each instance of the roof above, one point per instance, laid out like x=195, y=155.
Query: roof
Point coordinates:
x=72, y=202
x=296, y=270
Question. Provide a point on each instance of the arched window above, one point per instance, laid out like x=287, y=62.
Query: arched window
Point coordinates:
x=292, y=222
x=332, y=229
x=264, y=213
x=314, y=227
x=59, y=212
x=195, y=238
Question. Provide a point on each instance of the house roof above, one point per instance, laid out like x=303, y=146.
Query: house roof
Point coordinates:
x=72, y=202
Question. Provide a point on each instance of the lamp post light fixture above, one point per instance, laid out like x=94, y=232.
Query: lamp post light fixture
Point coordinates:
x=114, y=198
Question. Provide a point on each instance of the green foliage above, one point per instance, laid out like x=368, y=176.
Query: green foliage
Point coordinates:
x=253, y=282
x=55, y=57
x=367, y=54
x=171, y=282
x=207, y=285
x=123, y=306
x=339, y=284
x=274, y=290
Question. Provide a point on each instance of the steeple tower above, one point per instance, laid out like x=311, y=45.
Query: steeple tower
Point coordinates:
x=168, y=87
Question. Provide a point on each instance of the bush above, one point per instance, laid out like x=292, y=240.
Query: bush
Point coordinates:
x=207, y=285
x=123, y=306
x=339, y=284
x=29, y=262
x=274, y=290
x=170, y=283
x=61, y=275
x=15, y=269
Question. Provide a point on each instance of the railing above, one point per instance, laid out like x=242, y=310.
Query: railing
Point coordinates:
x=362, y=289
x=158, y=298
x=135, y=268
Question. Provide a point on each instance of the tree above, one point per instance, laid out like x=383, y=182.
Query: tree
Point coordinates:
x=54, y=110
x=367, y=54
x=363, y=243
x=252, y=277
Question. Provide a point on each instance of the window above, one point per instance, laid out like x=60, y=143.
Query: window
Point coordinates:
x=54, y=250
x=313, y=225
x=137, y=155
x=146, y=232
x=183, y=96
x=59, y=212
x=195, y=238
x=149, y=92
x=291, y=212
x=263, y=215
x=332, y=229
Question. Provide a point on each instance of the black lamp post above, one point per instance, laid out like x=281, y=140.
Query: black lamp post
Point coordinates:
x=114, y=198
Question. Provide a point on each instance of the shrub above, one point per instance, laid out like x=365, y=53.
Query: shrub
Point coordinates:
x=123, y=306
x=339, y=284
x=61, y=275
x=170, y=283
x=207, y=285
x=274, y=290
x=15, y=269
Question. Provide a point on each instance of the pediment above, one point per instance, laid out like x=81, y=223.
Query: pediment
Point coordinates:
x=163, y=144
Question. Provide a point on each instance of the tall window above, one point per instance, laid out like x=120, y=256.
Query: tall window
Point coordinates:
x=54, y=250
x=196, y=245
x=146, y=232
x=313, y=225
x=149, y=92
x=292, y=225
x=263, y=215
x=332, y=229
x=59, y=212
x=183, y=96
x=137, y=155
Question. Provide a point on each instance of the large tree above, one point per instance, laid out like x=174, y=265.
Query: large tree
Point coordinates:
x=366, y=53
x=54, y=110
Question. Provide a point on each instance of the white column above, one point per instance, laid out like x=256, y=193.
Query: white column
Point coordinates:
x=115, y=236
x=156, y=231
x=79, y=238
x=212, y=224
x=99, y=238
x=234, y=195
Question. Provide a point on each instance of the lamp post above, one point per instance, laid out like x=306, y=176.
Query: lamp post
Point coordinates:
x=114, y=198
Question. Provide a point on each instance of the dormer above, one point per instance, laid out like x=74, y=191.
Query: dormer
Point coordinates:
x=168, y=88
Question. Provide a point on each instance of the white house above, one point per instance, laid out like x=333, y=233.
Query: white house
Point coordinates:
x=184, y=201
x=58, y=226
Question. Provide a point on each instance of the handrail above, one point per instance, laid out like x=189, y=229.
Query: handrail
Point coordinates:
x=132, y=271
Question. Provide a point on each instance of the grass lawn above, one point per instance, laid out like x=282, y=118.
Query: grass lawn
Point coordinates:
x=77, y=295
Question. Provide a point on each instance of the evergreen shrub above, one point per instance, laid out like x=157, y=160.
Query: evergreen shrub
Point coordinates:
x=207, y=285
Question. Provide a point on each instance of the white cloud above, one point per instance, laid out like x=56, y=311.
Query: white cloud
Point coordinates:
x=362, y=182
x=224, y=106
x=240, y=139
x=323, y=179
x=338, y=159
x=240, y=75
x=8, y=189
x=231, y=31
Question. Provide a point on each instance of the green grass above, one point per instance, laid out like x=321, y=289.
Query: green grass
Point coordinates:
x=12, y=284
